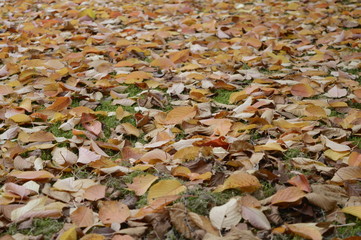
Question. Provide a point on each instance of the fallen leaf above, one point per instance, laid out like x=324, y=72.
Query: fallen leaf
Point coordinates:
x=82, y=217
x=227, y=215
x=95, y=192
x=164, y=188
x=353, y=210
x=306, y=230
x=141, y=184
x=256, y=218
x=180, y=114
x=347, y=173
x=287, y=196
x=113, y=212
x=240, y=180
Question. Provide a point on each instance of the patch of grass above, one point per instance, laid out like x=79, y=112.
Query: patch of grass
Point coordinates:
x=356, y=140
x=267, y=189
x=129, y=119
x=355, y=71
x=255, y=134
x=292, y=153
x=130, y=176
x=201, y=201
x=174, y=235
x=354, y=104
x=334, y=113
x=46, y=154
x=142, y=201
x=222, y=96
x=45, y=227
x=133, y=90
x=75, y=102
x=78, y=173
x=54, y=129
x=106, y=106
x=349, y=231
x=108, y=123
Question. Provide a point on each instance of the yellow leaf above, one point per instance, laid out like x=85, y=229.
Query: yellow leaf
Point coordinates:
x=272, y=146
x=93, y=236
x=164, y=188
x=240, y=180
x=88, y=12
x=20, y=118
x=353, y=210
x=335, y=155
x=26, y=104
x=237, y=96
x=69, y=234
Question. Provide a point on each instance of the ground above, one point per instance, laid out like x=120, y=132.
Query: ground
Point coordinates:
x=180, y=119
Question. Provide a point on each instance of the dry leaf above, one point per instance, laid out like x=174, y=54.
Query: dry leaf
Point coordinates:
x=227, y=215
x=141, y=184
x=165, y=188
x=82, y=217
x=287, y=196
x=240, y=180
x=113, y=212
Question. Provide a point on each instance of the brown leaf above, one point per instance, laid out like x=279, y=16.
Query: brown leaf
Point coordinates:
x=141, y=184
x=82, y=217
x=180, y=114
x=60, y=104
x=287, y=196
x=302, y=90
x=95, y=192
x=113, y=212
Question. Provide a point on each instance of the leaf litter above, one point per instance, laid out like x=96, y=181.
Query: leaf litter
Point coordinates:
x=180, y=120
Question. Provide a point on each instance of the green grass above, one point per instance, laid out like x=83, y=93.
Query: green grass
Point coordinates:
x=267, y=189
x=79, y=173
x=353, y=104
x=356, y=140
x=54, y=129
x=349, y=231
x=222, y=96
x=355, y=71
x=334, y=113
x=44, y=227
x=292, y=153
x=133, y=90
x=201, y=201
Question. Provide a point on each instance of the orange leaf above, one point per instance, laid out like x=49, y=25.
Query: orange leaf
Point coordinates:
x=163, y=63
x=306, y=230
x=180, y=114
x=60, y=104
x=301, y=182
x=113, y=212
x=141, y=184
x=287, y=195
x=180, y=56
x=220, y=126
x=31, y=175
x=354, y=159
x=302, y=90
